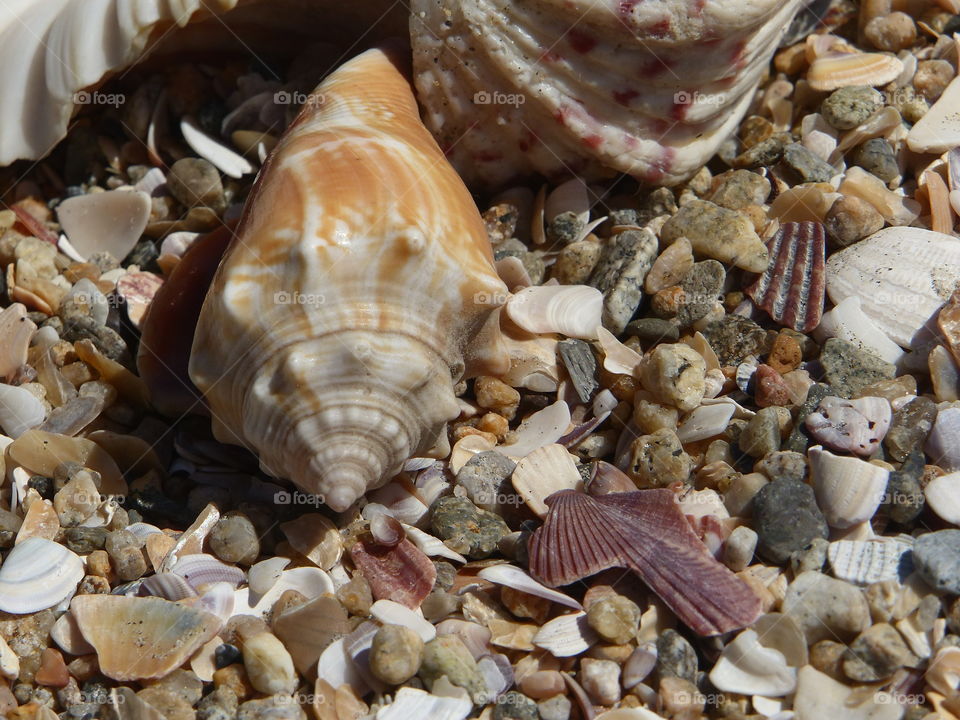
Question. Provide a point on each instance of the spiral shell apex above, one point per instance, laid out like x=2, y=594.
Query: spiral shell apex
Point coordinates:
x=340, y=316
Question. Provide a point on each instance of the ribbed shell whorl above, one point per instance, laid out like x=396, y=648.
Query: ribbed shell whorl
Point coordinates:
x=335, y=327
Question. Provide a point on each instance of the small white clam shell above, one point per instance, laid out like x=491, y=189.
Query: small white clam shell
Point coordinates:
x=413, y=703
x=848, y=322
x=943, y=442
x=943, y=496
x=566, y=635
x=226, y=160
x=848, y=490
x=311, y=582
x=857, y=426
x=337, y=668
x=705, y=422
x=217, y=599
x=543, y=472
x=745, y=666
x=201, y=569
x=20, y=410
x=939, y=129
x=513, y=577
x=867, y=562
x=169, y=586
x=542, y=428
x=265, y=574
x=110, y=221
x=306, y=630
x=37, y=574
x=902, y=276
x=392, y=613
x=571, y=310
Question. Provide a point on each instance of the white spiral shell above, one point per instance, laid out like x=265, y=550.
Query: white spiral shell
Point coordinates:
x=336, y=326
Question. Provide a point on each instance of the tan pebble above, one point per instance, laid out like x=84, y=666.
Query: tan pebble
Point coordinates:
x=269, y=665
x=576, y=262
x=167, y=703
x=542, y=684
x=525, y=605
x=98, y=563
x=650, y=416
x=615, y=653
x=932, y=78
x=84, y=667
x=666, y=303
x=827, y=657
x=494, y=424
x=658, y=459
x=395, y=654
x=892, y=32
x=680, y=697
x=234, y=677
x=673, y=264
x=356, y=596
x=757, y=215
x=288, y=600
x=601, y=680
x=52, y=671
x=623, y=387
x=465, y=430
x=770, y=388
x=785, y=355
x=496, y=395
x=615, y=618
x=791, y=60
x=675, y=375
x=739, y=497
x=77, y=500
x=754, y=130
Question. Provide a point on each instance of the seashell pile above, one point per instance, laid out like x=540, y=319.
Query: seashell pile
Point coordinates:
x=480, y=359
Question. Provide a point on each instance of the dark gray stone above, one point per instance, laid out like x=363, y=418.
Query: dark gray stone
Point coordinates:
x=787, y=519
x=936, y=556
x=581, y=365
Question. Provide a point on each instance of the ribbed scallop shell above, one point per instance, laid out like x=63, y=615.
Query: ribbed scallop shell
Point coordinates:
x=337, y=322
x=646, y=88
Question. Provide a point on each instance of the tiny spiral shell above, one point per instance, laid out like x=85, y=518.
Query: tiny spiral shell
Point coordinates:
x=338, y=321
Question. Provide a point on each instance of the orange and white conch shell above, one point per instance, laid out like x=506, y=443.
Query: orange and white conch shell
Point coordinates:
x=340, y=317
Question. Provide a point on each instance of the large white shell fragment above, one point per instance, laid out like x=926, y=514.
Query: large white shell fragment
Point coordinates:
x=747, y=667
x=848, y=490
x=37, y=574
x=847, y=321
x=20, y=410
x=566, y=635
x=868, y=561
x=412, y=703
x=939, y=129
x=571, y=310
x=513, y=577
x=902, y=276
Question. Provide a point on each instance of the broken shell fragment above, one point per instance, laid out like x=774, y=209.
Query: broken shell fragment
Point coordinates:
x=570, y=310
x=141, y=637
x=855, y=426
x=544, y=472
x=848, y=490
x=745, y=666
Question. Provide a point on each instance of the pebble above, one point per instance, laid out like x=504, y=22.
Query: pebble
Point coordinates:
x=501, y=222
x=932, y=78
x=764, y=153
x=848, y=107
x=83, y=540
x=226, y=654
x=676, y=656
x=826, y=608
x=770, y=389
x=783, y=465
x=762, y=434
x=196, y=182
x=601, y=680
x=810, y=558
x=659, y=460
x=827, y=656
x=654, y=330
x=144, y=255
x=614, y=618
x=576, y=262
x=515, y=706
x=910, y=426
x=278, y=707
x=785, y=354
x=739, y=189
x=167, y=703
x=234, y=539
x=395, y=654
x=719, y=233
x=936, y=556
x=556, y=708
x=877, y=157
x=675, y=374
x=850, y=220
x=496, y=395
x=809, y=167
x=221, y=704
x=581, y=365
x=127, y=559
x=734, y=338
x=660, y=201
x=904, y=499
x=484, y=477
x=670, y=267
x=77, y=500
x=702, y=289
x=268, y=664
x=564, y=228
x=467, y=529
x=52, y=671
x=739, y=548
x=891, y=33
x=786, y=519
x=876, y=654
x=849, y=368
x=624, y=263
x=447, y=655
x=542, y=684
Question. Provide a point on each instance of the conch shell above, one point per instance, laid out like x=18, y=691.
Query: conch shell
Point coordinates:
x=340, y=316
